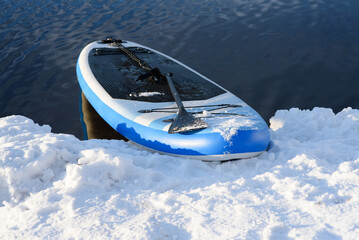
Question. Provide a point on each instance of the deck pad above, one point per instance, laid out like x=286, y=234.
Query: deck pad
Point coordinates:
x=118, y=75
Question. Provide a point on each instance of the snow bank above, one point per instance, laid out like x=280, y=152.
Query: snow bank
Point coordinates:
x=54, y=186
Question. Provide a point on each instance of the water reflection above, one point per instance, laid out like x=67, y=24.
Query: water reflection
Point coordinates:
x=94, y=127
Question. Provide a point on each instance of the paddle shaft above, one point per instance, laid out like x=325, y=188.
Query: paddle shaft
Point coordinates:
x=147, y=68
x=174, y=92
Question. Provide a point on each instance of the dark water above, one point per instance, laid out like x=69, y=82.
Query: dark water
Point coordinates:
x=273, y=54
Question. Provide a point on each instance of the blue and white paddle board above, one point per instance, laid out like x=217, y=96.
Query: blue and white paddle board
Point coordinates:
x=119, y=88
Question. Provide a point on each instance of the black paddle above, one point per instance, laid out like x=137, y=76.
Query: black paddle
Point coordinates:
x=184, y=121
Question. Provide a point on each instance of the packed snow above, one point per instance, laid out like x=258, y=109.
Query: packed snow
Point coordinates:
x=306, y=186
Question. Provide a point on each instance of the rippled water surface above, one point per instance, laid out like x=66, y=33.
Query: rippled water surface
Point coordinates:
x=273, y=54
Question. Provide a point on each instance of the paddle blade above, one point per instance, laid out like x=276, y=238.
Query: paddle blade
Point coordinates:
x=185, y=122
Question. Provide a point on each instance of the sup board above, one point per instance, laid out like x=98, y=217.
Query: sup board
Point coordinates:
x=164, y=105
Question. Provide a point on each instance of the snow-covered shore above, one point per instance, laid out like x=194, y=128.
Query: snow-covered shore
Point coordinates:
x=54, y=186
